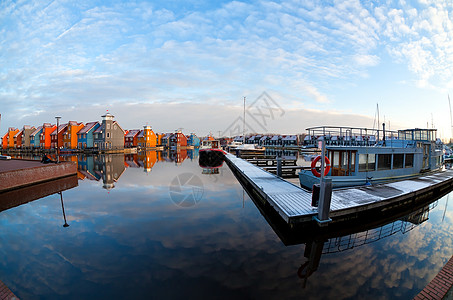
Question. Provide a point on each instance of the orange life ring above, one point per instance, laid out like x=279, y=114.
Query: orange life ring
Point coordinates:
x=326, y=167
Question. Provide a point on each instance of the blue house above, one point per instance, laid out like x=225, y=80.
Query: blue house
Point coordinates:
x=85, y=137
x=193, y=140
x=34, y=137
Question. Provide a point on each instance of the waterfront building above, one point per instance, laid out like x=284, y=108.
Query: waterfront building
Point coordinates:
x=85, y=137
x=193, y=140
x=70, y=134
x=34, y=137
x=165, y=139
x=148, y=159
x=8, y=138
x=26, y=132
x=109, y=135
x=289, y=140
x=18, y=139
x=53, y=136
x=110, y=167
x=130, y=139
x=178, y=139
x=147, y=138
x=44, y=137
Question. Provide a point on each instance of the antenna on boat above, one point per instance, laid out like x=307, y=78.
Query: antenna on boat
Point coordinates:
x=243, y=126
x=378, y=123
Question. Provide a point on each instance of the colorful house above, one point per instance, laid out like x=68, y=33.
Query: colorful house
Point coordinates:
x=70, y=134
x=149, y=159
x=44, y=137
x=35, y=137
x=109, y=135
x=147, y=138
x=26, y=132
x=178, y=139
x=193, y=140
x=85, y=138
x=131, y=138
x=10, y=137
x=165, y=139
x=18, y=139
x=53, y=136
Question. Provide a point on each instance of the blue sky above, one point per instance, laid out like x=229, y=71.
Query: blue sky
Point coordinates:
x=188, y=64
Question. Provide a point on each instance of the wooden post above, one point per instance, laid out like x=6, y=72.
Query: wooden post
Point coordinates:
x=325, y=193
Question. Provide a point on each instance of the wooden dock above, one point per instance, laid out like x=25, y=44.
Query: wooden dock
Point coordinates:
x=294, y=203
x=16, y=173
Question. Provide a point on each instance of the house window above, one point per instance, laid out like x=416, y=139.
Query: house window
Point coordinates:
x=108, y=126
x=108, y=134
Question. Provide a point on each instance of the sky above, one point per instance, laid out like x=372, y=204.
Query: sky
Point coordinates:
x=189, y=64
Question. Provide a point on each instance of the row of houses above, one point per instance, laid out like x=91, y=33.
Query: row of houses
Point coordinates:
x=104, y=135
x=269, y=140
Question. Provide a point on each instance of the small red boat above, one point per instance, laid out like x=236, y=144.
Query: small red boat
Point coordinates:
x=211, y=155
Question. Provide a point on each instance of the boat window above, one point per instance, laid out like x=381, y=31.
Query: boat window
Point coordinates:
x=398, y=160
x=352, y=169
x=366, y=162
x=409, y=163
x=384, y=161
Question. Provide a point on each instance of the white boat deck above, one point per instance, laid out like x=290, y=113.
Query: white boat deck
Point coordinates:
x=294, y=203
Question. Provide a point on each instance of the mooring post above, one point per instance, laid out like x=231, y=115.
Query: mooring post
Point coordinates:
x=325, y=193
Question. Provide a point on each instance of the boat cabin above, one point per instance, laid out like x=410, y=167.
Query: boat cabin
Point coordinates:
x=407, y=153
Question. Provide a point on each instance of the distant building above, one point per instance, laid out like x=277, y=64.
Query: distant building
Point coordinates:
x=44, y=137
x=289, y=140
x=178, y=139
x=10, y=137
x=130, y=139
x=147, y=138
x=54, y=139
x=165, y=139
x=193, y=140
x=85, y=137
x=18, y=139
x=35, y=137
x=5, y=141
x=109, y=135
x=26, y=132
x=70, y=134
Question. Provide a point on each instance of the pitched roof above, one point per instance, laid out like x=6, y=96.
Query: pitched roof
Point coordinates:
x=132, y=132
x=20, y=132
x=87, y=127
x=60, y=128
x=36, y=131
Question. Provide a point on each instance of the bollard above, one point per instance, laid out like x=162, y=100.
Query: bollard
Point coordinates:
x=324, y=202
x=279, y=166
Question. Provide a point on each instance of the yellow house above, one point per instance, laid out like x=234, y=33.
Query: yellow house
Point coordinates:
x=147, y=138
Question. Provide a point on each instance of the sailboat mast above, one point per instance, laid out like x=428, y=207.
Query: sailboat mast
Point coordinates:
x=243, y=126
x=451, y=119
x=378, y=123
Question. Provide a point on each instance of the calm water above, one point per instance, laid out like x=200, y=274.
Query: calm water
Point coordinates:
x=157, y=226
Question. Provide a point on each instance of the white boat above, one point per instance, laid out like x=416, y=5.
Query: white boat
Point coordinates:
x=358, y=158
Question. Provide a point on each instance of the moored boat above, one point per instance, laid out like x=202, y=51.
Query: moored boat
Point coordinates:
x=358, y=157
x=210, y=154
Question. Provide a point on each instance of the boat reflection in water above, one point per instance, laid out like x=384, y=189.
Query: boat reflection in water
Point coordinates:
x=361, y=230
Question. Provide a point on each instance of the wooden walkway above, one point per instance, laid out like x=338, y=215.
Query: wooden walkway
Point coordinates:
x=294, y=203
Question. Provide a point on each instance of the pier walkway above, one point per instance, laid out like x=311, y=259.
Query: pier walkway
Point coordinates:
x=294, y=203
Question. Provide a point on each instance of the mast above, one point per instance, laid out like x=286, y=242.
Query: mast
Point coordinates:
x=378, y=123
x=451, y=119
x=243, y=126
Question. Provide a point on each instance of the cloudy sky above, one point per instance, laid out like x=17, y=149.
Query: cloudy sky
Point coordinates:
x=188, y=64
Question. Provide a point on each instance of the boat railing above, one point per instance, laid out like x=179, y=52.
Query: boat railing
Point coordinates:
x=347, y=136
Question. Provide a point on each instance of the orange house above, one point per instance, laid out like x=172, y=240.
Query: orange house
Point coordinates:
x=54, y=138
x=10, y=137
x=44, y=137
x=70, y=135
x=147, y=138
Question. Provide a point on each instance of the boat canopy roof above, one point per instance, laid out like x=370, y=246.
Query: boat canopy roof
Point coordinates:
x=418, y=134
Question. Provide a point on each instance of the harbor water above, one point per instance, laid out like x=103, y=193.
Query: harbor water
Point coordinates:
x=157, y=226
